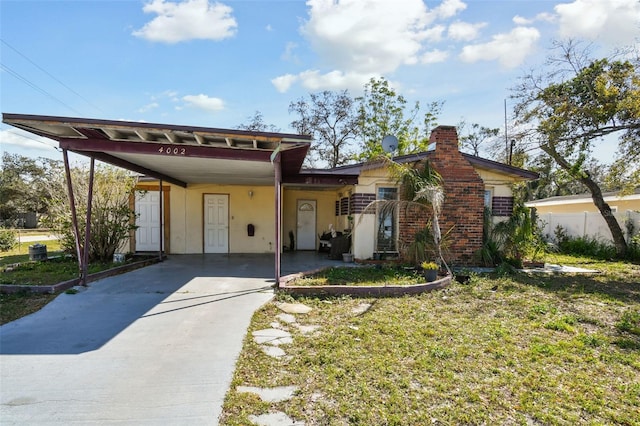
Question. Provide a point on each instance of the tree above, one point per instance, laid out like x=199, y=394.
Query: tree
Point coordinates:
x=111, y=215
x=26, y=185
x=257, y=124
x=577, y=102
x=331, y=119
x=382, y=112
x=475, y=137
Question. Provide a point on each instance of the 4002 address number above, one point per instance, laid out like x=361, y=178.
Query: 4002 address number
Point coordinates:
x=172, y=151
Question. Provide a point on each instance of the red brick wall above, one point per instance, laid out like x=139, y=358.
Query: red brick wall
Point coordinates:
x=359, y=201
x=464, y=199
x=502, y=206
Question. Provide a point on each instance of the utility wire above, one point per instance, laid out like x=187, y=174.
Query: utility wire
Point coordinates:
x=10, y=130
x=50, y=75
x=35, y=87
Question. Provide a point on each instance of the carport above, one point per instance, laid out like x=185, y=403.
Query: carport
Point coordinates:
x=179, y=155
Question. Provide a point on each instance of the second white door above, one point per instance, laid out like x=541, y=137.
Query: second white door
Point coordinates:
x=306, y=225
x=216, y=223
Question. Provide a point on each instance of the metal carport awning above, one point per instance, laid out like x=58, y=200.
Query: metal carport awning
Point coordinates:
x=176, y=154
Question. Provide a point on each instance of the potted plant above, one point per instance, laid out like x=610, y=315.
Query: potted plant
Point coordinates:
x=430, y=270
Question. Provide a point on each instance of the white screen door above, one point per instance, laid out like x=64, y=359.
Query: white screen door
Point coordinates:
x=148, y=221
x=306, y=225
x=216, y=223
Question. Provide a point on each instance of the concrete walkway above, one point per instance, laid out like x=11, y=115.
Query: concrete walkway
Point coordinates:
x=154, y=346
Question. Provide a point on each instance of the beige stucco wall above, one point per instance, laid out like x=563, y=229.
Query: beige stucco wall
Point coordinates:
x=499, y=184
x=325, y=211
x=187, y=225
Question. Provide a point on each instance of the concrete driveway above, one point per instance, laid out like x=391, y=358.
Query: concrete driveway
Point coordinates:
x=154, y=346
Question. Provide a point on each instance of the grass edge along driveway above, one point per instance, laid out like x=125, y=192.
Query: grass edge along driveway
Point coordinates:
x=500, y=350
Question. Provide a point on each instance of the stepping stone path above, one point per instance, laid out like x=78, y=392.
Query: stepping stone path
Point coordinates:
x=274, y=419
x=270, y=340
x=279, y=394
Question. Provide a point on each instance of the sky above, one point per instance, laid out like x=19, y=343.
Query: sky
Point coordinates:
x=215, y=63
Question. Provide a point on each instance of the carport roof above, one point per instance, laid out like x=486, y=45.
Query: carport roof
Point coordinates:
x=176, y=154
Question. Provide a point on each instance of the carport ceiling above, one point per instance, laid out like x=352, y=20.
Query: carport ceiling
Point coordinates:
x=177, y=154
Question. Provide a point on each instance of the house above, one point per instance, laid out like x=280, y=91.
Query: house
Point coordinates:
x=578, y=216
x=236, y=191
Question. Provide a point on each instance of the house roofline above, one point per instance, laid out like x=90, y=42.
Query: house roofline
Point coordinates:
x=147, y=125
x=408, y=158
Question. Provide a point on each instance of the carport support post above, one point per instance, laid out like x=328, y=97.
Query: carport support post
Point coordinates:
x=161, y=223
x=278, y=187
x=72, y=203
x=87, y=229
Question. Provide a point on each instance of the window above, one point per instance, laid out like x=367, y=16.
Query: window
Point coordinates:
x=387, y=227
x=487, y=198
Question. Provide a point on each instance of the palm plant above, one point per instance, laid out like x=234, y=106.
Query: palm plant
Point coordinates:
x=421, y=187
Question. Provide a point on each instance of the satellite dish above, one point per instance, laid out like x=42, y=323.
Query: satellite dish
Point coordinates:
x=389, y=143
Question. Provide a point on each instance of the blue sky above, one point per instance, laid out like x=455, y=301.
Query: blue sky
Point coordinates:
x=207, y=63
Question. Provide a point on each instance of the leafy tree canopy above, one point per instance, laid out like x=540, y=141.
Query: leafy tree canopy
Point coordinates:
x=572, y=105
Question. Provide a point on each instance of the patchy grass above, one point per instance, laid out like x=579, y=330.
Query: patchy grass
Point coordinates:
x=49, y=272
x=516, y=349
x=18, y=305
x=20, y=253
x=362, y=276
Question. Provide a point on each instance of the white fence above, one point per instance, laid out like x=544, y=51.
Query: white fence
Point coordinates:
x=586, y=224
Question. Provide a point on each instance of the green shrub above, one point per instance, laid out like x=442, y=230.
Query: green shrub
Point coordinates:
x=630, y=322
x=8, y=239
x=586, y=246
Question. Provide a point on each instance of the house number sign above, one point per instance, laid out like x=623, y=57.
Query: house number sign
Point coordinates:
x=172, y=151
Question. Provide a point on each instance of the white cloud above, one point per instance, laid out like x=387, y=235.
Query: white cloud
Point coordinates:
x=369, y=36
x=314, y=80
x=509, y=49
x=434, y=34
x=284, y=82
x=149, y=107
x=465, y=31
x=546, y=17
x=21, y=139
x=204, y=102
x=289, y=52
x=191, y=19
x=615, y=22
x=448, y=8
x=268, y=28
x=434, y=56
x=334, y=80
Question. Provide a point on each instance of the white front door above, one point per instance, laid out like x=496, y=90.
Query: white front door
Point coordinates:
x=306, y=225
x=216, y=223
x=148, y=221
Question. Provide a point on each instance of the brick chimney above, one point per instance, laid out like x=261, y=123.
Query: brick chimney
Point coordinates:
x=464, y=195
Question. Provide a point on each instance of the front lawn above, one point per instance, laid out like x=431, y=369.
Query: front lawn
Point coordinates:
x=362, y=276
x=517, y=349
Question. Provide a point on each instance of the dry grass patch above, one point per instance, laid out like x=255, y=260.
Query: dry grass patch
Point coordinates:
x=500, y=350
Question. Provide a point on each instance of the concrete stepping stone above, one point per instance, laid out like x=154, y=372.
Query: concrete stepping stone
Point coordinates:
x=286, y=318
x=294, y=308
x=274, y=419
x=272, y=336
x=361, y=308
x=307, y=329
x=277, y=394
x=273, y=351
